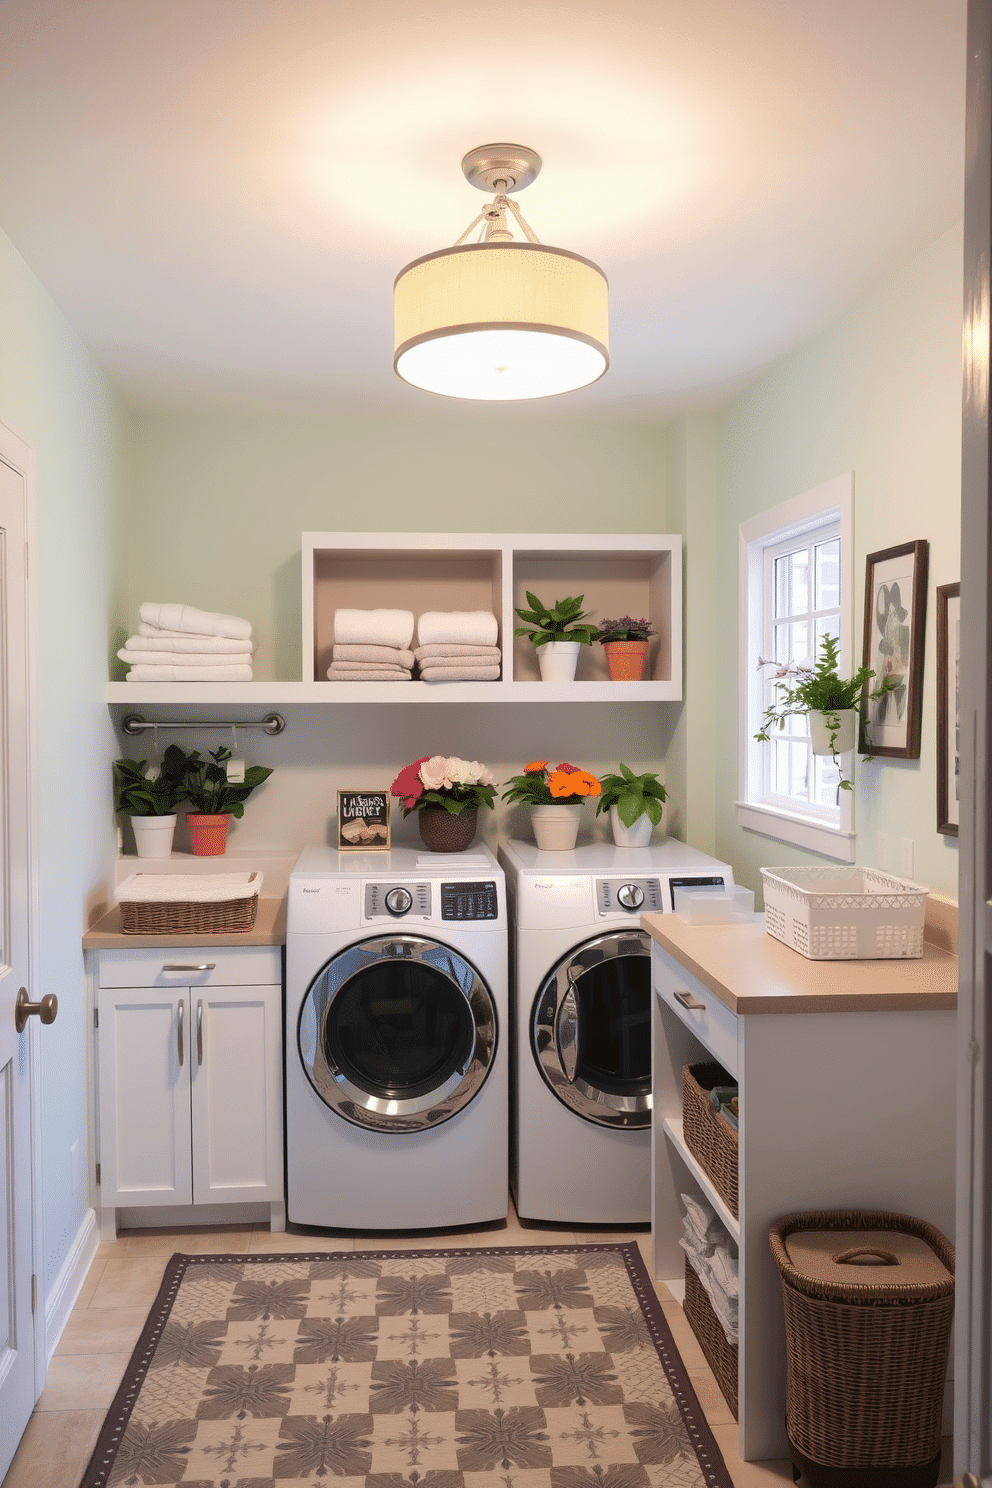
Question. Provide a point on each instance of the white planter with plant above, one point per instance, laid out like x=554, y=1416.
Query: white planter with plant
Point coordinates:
x=556, y=634
x=635, y=804
x=149, y=795
x=831, y=702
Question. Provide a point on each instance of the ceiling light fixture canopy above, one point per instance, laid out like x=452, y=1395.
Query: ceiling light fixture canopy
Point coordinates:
x=500, y=319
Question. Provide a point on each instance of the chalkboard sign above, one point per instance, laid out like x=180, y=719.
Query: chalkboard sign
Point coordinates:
x=363, y=821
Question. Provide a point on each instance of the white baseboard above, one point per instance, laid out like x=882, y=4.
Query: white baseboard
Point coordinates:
x=68, y=1284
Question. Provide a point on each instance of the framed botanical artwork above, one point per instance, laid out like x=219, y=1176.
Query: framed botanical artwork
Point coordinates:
x=948, y=724
x=363, y=820
x=895, y=616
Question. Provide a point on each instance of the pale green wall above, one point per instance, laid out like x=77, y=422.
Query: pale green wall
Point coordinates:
x=878, y=393
x=54, y=397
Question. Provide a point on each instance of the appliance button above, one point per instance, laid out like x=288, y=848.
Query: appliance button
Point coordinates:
x=399, y=901
x=630, y=895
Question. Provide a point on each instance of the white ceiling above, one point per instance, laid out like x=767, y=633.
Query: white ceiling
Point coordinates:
x=219, y=193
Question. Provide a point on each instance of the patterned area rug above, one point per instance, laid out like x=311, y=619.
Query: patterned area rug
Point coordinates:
x=488, y=1368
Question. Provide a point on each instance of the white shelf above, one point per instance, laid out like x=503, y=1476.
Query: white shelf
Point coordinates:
x=673, y=1132
x=273, y=694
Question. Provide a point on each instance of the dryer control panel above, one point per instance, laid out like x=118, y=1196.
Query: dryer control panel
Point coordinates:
x=628, y=895
x=393, y=901
x=470, y=901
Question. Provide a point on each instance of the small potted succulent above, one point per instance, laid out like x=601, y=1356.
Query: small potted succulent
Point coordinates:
x=149, y=795
x=555, y=796
x=832, y=702
x=215, y=797
x=635, y=804
x=556, y=634
x=446, y=793
x=625, y=643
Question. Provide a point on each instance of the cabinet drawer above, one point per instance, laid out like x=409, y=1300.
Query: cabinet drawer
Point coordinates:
x=702, y=1012
x=191, y=966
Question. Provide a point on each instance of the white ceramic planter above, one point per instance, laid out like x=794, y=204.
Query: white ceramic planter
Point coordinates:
x=558, y=660
x=820, y=734
x=637, y=835
x=153, y=835
x=556, y=828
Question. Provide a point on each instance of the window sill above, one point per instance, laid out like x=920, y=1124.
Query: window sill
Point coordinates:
x=799, y=831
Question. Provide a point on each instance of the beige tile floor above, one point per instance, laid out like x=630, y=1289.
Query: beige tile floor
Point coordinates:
x=125, y=1276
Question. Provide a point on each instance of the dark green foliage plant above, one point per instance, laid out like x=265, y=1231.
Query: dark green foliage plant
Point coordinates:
x=208, y=789
x=137, y=795
x=560, y=623
x=633, y=795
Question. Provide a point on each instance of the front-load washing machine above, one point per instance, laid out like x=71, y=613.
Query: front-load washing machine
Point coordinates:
x=580, y=1125
x=396, y=1042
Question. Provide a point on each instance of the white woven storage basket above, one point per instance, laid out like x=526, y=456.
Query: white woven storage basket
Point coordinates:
x=844, y=914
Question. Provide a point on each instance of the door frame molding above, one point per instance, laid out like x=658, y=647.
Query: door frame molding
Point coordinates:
x=20, y=456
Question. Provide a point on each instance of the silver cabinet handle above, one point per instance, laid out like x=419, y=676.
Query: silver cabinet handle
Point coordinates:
x=179, y=1032
x=688, y=1001
x=199, y=1030
x=204, y=966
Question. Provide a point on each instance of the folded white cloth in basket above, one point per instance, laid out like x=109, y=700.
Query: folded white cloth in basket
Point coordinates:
x=198, y=622
x=187, y=888
x=467, y=627
x=151, y=638
x=135, y=657
x=373, y=627
x=177, y=673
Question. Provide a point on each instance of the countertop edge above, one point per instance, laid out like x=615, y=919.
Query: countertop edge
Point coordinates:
x=269, y=929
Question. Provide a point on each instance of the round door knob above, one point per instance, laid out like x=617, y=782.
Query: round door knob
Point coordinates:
x=630, y=895
x=46, y=1009
x=398, y=901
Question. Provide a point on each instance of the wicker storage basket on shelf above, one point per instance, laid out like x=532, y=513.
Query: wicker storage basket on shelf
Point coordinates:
x=144, y=916
x=866, y=1345
x=721, y=1355
x=708, y=1137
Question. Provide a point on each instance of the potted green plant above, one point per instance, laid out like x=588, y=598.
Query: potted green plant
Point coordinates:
x=556, y=634
x=214, y=798
x=554, y=796
x=635, y=804
x=446, y=793
x=833, y=703
x=625, y=643
x=149, y=795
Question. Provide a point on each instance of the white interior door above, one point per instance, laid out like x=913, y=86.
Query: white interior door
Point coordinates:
x=18, y=1054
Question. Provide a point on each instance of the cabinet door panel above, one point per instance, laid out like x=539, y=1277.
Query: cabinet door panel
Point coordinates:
x=236, y=1045
x=145, y=1150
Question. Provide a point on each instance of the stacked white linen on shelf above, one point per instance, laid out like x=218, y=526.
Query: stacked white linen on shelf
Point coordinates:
x=713, y=1256
x=177, y=643
x=458, y=646
x=372, y=646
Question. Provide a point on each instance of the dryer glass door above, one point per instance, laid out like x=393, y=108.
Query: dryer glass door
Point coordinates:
x=591, y=1029
x=397, y=1033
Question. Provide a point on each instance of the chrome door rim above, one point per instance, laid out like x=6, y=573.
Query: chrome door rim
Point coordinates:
x=602, y=1107
x=375, y=1112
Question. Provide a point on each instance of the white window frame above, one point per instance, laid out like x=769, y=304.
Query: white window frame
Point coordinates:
x=833, y=502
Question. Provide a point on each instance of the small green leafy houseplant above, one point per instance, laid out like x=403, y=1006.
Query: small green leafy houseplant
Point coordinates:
x=560, y=623
x=137, y=794
x=633, y=796
x=624, y=629
x=820, y=689
x=208, y=789
x=454, y=784
x=542, y=785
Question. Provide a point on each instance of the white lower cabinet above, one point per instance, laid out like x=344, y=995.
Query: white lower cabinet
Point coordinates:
x=189, y=1055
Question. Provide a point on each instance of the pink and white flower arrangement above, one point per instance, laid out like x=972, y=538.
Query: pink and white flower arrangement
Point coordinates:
x=455, y=784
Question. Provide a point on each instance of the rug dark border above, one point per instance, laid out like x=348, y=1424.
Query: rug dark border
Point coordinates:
x=708, y=1453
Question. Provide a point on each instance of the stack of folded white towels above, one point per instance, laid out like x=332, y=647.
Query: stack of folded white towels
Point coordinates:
x=372, y=646
x=714, y=1258
x=457, y=646
x=176, y=643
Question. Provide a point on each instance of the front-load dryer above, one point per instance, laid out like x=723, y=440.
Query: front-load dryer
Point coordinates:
x=580, y=1125
x=396, y=1042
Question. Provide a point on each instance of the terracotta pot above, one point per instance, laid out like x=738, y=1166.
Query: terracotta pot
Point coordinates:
x=208, y=833
x=625, y=659
x=442, y=832
x=558, y=660
x=556, y=828
x=153, y=835
x=820, y=734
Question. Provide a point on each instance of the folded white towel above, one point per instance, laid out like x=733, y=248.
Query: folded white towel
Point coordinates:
x=373, y=627
x=197, y=622
x=448, y=651
x=135, y=657
x=189, y=674
x=466, y=627
x=152, y=638
x=187, y=888
x=459, y=674
x=369, y=666
x=391, y=655
x=368, y=674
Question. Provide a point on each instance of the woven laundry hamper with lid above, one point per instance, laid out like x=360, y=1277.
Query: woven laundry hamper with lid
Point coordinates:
x=869, y=1300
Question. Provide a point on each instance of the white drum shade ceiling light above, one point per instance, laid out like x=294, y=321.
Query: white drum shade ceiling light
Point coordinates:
x=499, y=319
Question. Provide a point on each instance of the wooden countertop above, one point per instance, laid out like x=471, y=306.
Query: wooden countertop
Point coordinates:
x=269, y=929
x=752, y=972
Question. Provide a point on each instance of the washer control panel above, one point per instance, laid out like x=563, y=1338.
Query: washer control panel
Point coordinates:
x=393, y=901
x=629, y=895
x=470, y=901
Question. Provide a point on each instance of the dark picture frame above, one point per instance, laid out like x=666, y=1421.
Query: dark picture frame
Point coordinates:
x=363, y=821
x=894, y=630
x=948, y=681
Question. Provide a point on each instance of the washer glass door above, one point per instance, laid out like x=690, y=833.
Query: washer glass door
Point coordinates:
x=591, y=1029
x=397, y=1033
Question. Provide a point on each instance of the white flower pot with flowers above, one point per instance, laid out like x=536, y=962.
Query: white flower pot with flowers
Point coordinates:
x=555, y=797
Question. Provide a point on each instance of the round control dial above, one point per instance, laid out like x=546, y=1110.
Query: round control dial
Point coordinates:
x=399, y=901
x=630, y=895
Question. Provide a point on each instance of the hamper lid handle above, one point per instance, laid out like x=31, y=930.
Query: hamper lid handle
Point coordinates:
x=883, y=1257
